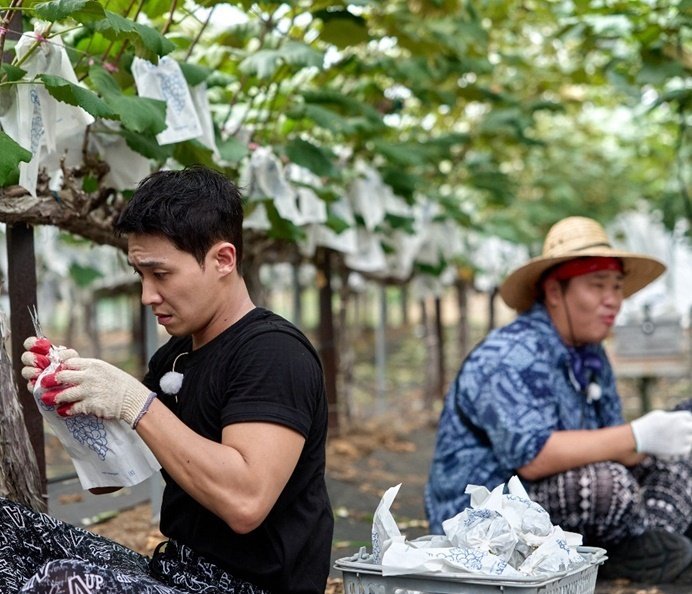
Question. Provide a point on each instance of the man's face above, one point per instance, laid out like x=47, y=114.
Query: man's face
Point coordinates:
x=586, y=311
x=182, y=294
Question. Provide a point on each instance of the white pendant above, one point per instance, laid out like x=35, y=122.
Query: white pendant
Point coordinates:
x=171, y=382
x=593, y=392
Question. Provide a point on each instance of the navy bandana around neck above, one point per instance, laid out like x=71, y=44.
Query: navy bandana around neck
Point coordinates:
x=586, y=365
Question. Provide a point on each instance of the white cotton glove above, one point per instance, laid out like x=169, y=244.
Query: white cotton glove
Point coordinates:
x=664, y=434
x=39, y=355
x=94, y=387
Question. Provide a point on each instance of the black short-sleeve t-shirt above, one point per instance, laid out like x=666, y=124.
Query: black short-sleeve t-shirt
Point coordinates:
x=260, y=369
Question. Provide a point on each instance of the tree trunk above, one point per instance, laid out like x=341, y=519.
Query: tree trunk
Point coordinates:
x=381, y=352
x=430, y=356
x=20, y=479
x=403, y=292
x=440, y=351
x=462, y=304
x=327, y=338
x=492, y=314
x=347, y=355
x=21, y=273
x=297, y=294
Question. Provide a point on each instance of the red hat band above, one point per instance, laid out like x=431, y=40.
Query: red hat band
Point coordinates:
x=582, y=266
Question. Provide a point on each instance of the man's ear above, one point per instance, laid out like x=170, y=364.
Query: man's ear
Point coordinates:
x=224, y=257
x=552, y=291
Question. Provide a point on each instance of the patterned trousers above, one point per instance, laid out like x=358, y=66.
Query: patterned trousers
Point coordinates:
x=42, y=555
x=607, y=502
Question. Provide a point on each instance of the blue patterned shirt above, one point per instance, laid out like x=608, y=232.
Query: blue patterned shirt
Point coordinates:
x=511, y=393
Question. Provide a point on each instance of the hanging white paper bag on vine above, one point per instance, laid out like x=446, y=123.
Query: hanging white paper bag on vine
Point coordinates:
x=126, y=167
x=165, y=81
x=50, y=129
x=201, y=102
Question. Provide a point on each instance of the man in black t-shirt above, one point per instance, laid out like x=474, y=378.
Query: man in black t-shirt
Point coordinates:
x=233, y=407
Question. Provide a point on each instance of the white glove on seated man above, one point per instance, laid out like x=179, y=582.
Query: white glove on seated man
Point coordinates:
x=94, y=387
x=664, y=434
x=36, y=358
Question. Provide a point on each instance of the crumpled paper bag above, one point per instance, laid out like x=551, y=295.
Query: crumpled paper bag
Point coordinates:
x=482, y=529
x=528, y=519
x=105, y=453
x=540, y=547
x=398, y=556
x=500, y=534
x=552, y=556
x=404, y=557
x=384, y=527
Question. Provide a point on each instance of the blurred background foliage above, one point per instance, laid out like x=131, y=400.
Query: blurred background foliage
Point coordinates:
x=506, y=115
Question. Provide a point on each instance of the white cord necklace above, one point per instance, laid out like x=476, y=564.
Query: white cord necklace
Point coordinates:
x=593, y=391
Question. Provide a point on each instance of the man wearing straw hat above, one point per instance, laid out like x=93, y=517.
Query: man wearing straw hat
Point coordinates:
x=538, y=398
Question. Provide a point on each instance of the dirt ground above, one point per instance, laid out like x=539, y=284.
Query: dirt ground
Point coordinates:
x=361, y=465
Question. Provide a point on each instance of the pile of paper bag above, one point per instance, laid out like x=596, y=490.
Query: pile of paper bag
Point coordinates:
x=501, y=534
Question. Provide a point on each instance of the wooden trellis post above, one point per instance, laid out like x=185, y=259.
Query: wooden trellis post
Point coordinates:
x=21, y=276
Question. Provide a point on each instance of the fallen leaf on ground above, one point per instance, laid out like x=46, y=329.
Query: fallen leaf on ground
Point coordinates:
x=71, y=498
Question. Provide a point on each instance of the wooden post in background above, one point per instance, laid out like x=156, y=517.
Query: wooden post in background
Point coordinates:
x=21, y=276
x=326, y=334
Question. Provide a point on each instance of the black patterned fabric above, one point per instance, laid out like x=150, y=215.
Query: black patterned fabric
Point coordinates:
x=609, y=503
x=42, y=555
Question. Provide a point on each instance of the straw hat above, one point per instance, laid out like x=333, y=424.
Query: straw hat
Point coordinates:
x=568, y=239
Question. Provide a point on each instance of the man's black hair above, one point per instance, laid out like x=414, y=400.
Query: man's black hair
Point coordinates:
x=194, y=208
x=539, y=288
